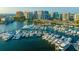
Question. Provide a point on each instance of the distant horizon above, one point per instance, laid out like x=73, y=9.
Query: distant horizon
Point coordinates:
x=12, y=10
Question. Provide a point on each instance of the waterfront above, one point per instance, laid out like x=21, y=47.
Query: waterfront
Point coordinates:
x=34, y=42
x=39, y=30
x=29, y=44
x=23, y=44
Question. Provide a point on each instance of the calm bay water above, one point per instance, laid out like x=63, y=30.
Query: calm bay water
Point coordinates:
x=28, y=44
x=10, y=27
x=23, y=44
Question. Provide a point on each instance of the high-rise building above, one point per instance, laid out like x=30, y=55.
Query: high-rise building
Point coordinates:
x=26, y=14
x=35, y=15
x=30, y=15
x=19, y=14
x=51, y=15
x=71, y=17
x=39, y=13
x=45, y=15
x=56, y=15
x=76, y=17
x=65, y=16
x=60, y=16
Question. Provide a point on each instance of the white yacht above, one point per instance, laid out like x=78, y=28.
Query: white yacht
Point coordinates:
x=76, y=45
x=77, y=33
x=64, y=44
x=5, y=36
x=63, y=37
x=54, y=41
x=60, y=46
x=35, y=32
x=23, y=34
x=56, y=46
x=39, y=33
x=30, y=34
x=25, y=27
x=67, y=40
x=27, y=34
x=59, y=41
x=65, y=32
x=45, y=36
x=57, y=36
x=17, y=36
x=53, y=38
x=50, y=40
x=49, y=37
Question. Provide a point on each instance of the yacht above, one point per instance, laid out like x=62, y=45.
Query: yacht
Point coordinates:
x=76, y=45
x=57, y=46
x=65, y=44
x=63, y=37
x=23, y=34
x=49, y=37
x=54, y=41
x=25, y=27
x=77, y=33
x=39, y=33
x=50, y=40
x=5, y=36
x=68, y=39
x=17, y=36
x=53, y=38
x=59, y=41
x=60, y=46
x=27, y=34
x=45, y=36
x=57, y=36
x=35, y=32
x=30, y=34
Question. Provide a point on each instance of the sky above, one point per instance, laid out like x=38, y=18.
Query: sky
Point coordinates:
x=51, y=9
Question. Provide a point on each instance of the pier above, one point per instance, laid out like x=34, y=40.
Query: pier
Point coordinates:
x=60, y=36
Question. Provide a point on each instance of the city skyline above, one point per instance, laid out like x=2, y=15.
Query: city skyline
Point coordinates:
x=10, y=10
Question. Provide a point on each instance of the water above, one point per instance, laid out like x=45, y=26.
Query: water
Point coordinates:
x=28, y=44
x=23, y=44
x=11, y=27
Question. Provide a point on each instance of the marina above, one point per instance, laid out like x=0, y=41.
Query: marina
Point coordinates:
x=39, y=29
x=52, y=35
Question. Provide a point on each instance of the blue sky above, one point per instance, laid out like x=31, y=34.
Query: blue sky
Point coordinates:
x=51, y=9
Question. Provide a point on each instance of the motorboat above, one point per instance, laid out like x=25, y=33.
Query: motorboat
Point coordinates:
x=58, y=47
x=25, y=27
x=5, y=36
x=54, y=41
x=45, y=36
x=59, y=41
x=76, y=45
x=77, y=33
x=18, y=36
x=50, y=40
x=30, y=34
x=57, y=36
x=49, y=37
x=39, y=33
